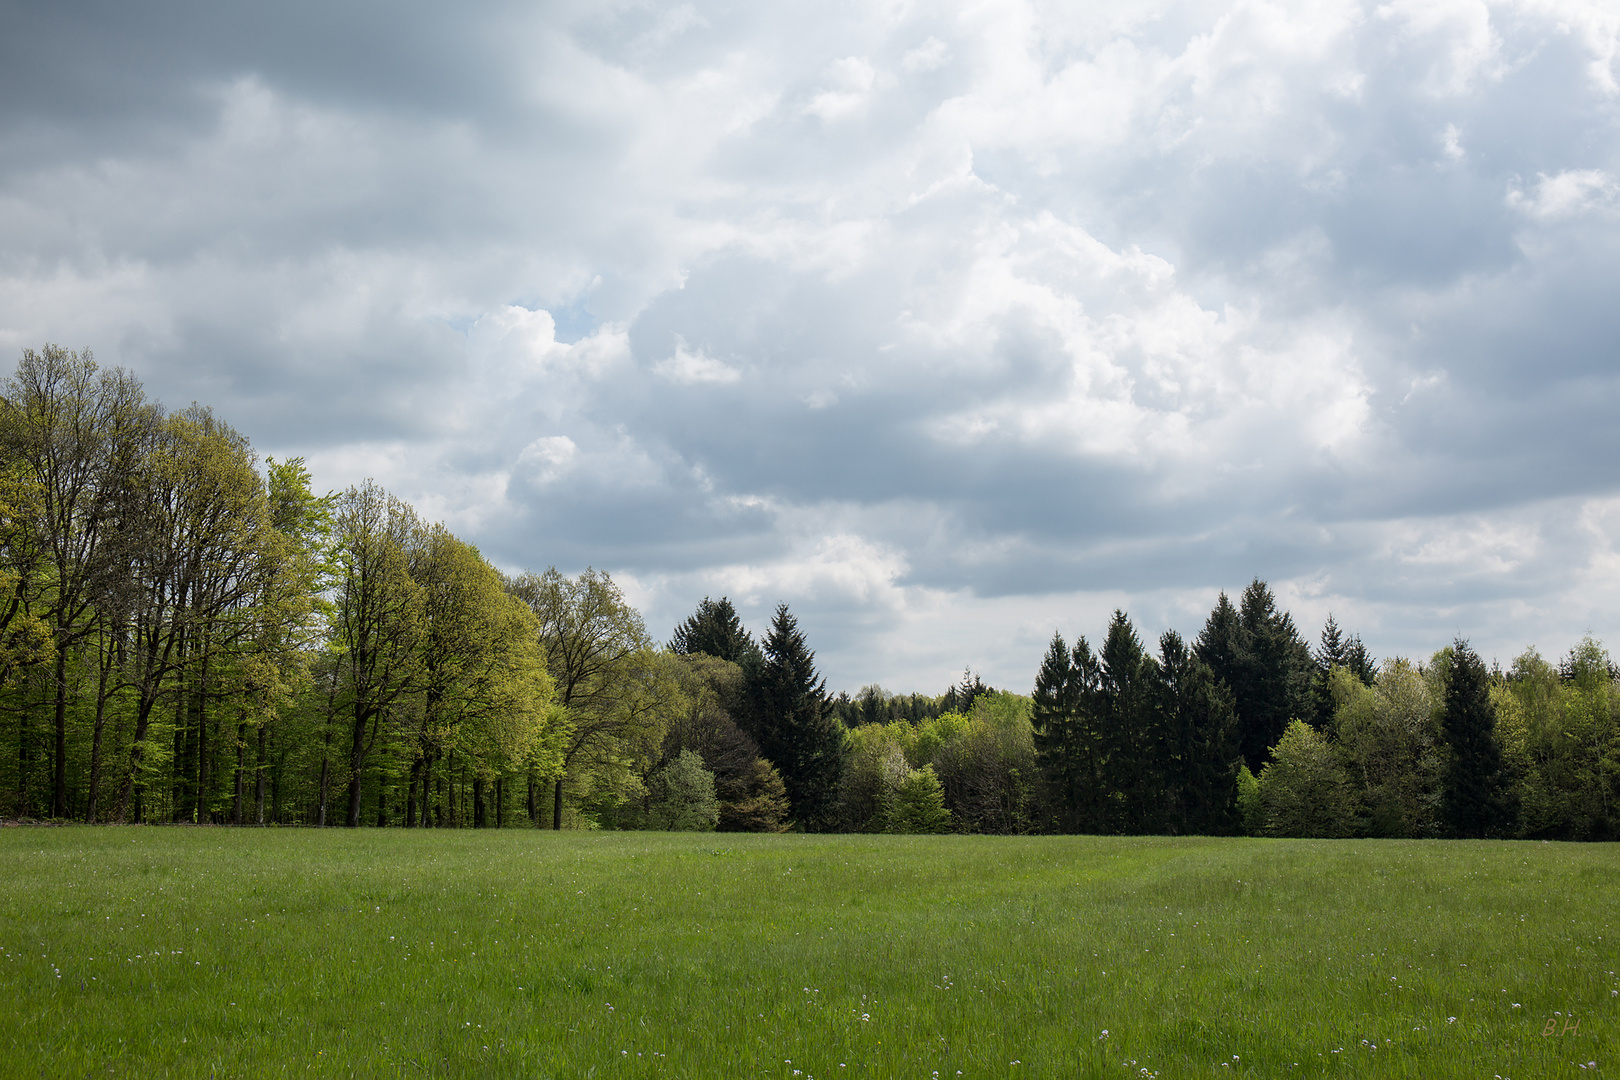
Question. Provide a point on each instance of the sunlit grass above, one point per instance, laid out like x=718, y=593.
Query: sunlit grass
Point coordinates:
x=197, y=952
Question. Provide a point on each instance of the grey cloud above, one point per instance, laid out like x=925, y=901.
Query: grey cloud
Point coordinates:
x=1128, y=309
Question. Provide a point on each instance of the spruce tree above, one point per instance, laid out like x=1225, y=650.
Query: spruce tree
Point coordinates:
x=1256, y=651
x=1330, y=654
x=787, y=714
x=1059, y=747
x=1336, y=651
x=1359, y=661
x=1201, y=755
x=1473, y=802
x=714, y=630
x=1135, y=743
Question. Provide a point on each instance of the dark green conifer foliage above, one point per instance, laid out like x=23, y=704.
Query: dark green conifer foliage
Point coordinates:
x=1360, y=661
x=1474, y=802
x=1336, y=651
x=788, y=715
x=1256, y=651
x=1202, y=759
x=1061, y=749
x=1133, y=732
x=960, y=698
x=715, y=630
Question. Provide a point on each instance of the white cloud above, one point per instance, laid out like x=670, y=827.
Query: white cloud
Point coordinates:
x=691, y=368
x=1569, y=194
x=931, y=55
x=549, y=457
x=850, y=83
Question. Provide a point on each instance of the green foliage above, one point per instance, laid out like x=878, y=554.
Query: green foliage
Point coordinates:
x=917, y=805
x=681, y=796
x=750, y=791
x=785, y=706
x=1475, y=799
x=761, y=806
x=615, y=690
x=715, y=630
x=923, y=742
x=1560, y=730
x=1251, y=811
x=1132, y=743
x=1256, y=651
x=1392, y=749
x=874, y=766
x=988, y=767
x=1303, y=789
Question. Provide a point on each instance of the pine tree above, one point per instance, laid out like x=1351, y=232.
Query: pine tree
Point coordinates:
x=787, y=714
x=714, y=630
x=1473, y=802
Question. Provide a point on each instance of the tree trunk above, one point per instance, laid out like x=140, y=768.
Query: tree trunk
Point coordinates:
x=450, y=785
x=357, y=759
x=94, y=806
x=24, y=760
x=202, y=741
x=500, y=804
x=410, y=794
x=59, y=777
x=478, y=802
x=326, y=763
x=241, y=770
x=258, y=774
x=556, y=806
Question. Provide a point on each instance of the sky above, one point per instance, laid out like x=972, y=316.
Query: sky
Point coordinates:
x=949, y=325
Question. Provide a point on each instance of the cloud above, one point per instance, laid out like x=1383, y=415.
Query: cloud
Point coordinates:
x=689, y=368
x=1571, y=194
x=950, y=326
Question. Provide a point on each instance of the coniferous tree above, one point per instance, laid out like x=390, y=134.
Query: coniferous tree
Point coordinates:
x=1134, y=737
x=1335, y=651
x=1331, y=653
x=715, y=630
x=1474, y=800
x=1256, y=651
x=787, y=713
x=960, y=698
x=1359, y=661
x=1068, y=741
x=1202, y=757
x=917, y=805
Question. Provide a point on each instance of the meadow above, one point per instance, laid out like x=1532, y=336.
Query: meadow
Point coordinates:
x=216, y=952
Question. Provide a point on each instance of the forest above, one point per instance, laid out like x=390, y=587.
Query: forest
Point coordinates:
x=192, y=635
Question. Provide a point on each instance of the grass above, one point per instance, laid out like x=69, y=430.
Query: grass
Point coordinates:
x=215, y=952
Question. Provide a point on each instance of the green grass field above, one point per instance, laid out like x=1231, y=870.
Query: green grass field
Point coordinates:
x=216, y=952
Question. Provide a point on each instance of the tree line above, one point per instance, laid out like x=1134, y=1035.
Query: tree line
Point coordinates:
x=189, y=634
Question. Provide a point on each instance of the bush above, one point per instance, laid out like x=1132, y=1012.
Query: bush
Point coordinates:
x=682, y=796
x=918, y=805
x=1304, y=790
